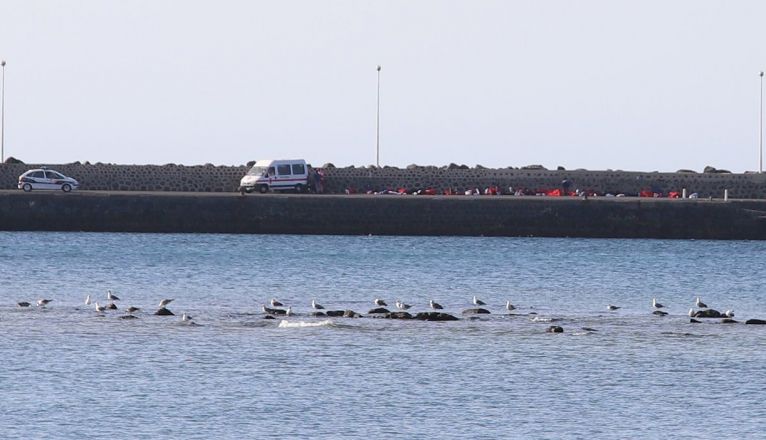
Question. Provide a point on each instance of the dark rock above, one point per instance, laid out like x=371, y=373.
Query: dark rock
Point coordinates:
x=164, y=312
x=555, y=329
x=477, y=311
x=435, y=316
x=378, y=310
x=128, y=317
x=588, y=329
x=412, y=166
x=351, y=314
x=453, y=166
x=694, y=321
x=560, y=168
x=398, y=315
x=318, y=314
x=250, y=163
x=709, y=313
x=111, y=306
x=334, y=313
x=269, y=317
x=729, y=321
x=328, y=165
x=709, y=169
x=686, y=172
x=12, y=159
x=756, y=321
x=659, y=313
x=271, y=311
x=480, y=167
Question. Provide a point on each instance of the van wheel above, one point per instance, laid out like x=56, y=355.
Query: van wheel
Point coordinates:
x=66, y=187
x=299, y=188
x=27, y=187
x=263, y=189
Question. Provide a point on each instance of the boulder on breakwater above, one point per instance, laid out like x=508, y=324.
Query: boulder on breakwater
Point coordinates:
x=476, y=311
x=436, y=316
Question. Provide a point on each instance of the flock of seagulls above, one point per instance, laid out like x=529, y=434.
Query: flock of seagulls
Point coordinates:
x=692, y=313
x=277, y=306
x=110, y=305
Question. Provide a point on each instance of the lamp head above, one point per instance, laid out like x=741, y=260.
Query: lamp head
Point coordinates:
x=2, y=63
x=379, y=69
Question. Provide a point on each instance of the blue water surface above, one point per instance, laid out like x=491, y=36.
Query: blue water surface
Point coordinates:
x=69, y=372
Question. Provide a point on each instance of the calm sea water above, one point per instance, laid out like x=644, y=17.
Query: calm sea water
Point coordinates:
x=69, y=372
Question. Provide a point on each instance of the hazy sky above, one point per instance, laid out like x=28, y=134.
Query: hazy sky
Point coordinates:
x=634, y=85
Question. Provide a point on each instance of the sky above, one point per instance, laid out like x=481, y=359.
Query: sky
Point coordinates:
x=630, y=85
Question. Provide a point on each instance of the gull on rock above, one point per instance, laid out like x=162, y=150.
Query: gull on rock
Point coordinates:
x=132, y=309
x=509, y=306
x=165, y=302
x=87, y=300
x=99, y=308
x=435, y=305
x=478, y=302
x=612, y=307
x=316, y=306
x=185, y=317
x=729, y=313
x=655, y=304
x=700, y=304
x=402, y=306
x=111, y=297
x=275, y=303
x=43, y=302
x=379, y=302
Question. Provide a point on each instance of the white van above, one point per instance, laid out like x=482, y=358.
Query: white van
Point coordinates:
x=268, y=175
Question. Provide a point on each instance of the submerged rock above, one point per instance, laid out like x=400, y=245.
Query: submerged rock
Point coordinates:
x=709, y=313
x=659, y=313
x=318, y=314
x=555, y=329
x=351, y=314
x=756, y=321
x=729, y=321
x=378, y=310
x=398, y=315
x=694, y=321
x=334, y=313
x=164, y=312
x=477, y=311
x=435, y=316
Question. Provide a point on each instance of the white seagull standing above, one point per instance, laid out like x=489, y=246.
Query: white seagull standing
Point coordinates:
x=478, y=302
x=509, y=306
x=435, y=305
x=185, y=317
x=379, y=302
x=99, y=308
x=275, y=303
x=402, y=306
x=612, y=307
x=655, y=304
x=165, y=302
x=700, y=304
x=87, y=300
x=729, y=313
x=316, y=306
x=111, y=297
x=43, y=302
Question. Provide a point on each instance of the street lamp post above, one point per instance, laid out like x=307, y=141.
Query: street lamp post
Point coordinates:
x=377, y=126
x=2, y=116
x=760, y=131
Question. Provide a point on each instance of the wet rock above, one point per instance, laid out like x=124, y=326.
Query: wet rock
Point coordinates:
x=756, y=321
x=271, y=311
x=659, y=313
x=477, y=311
x=318, y=314
x=398, y=315
x=128, y=317
x=334, y=313
x=555, y=329
x=269, y=317
x=729, y=321
x=164, y=312
x=709, y=313
x=435, y=316
x=694, y=321
x=378, y=310
x=351, y=314
x=111, y=306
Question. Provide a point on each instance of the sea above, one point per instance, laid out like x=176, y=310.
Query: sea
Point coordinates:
x=70, y=372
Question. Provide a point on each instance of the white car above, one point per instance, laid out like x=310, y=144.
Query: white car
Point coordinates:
x=42, y=178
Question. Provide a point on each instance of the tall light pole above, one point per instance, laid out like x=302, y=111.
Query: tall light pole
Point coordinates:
x=377, y=126
x=2, y=116
x=760, y=132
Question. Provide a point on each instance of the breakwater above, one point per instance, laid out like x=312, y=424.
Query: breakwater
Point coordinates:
x=383, y=215
x=210, y=178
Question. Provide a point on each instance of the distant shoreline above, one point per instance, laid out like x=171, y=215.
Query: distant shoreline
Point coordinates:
x=173, y=212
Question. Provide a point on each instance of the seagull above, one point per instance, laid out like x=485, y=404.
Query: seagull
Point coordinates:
x=111, y=306
x=275, y=303
x=509, y=306
x=43, y=302
x=111, y=297
x=132, y=309
x=435, y=305
x=100, y=308
x=655, y=304
x=316, y=306
x=612, y=307
x=478, y=302
x=402, y=306
x=691, y=313
x=87, y=300
x=289, y=311
x=729, y=313
x=165, y=302
x=379, y=302
x=185, y=317
x=23, y=304
x=700, y=304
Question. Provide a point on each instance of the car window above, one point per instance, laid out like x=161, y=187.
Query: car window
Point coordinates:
x=54, y=175
x=283, y=170
x=299, y=169
x=37, y=174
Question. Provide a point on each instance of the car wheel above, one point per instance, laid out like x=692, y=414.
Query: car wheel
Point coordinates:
x=66, y=187
x=27, y=187
x=263, y=189
x=299, y=188
x=248, y=190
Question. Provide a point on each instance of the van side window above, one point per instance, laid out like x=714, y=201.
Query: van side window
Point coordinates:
x=271, y=171
x=299, y=169
x=283, y=170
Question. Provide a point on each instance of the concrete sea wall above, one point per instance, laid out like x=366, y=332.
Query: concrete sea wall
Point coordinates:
x=382, y=215
x=210, y=178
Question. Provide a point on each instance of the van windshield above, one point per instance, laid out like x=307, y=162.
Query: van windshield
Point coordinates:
x=257, y=171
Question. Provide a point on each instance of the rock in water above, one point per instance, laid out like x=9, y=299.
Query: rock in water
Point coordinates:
x=555, y=329
x=478, y=311
x=398, y=315
x=378, y=310
x=436, y=316
x=756, y=321
x=164, y=312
